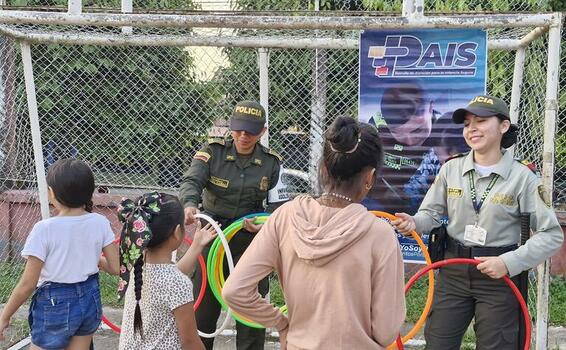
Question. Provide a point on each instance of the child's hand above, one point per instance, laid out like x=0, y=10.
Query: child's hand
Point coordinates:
x=204, y=235
x=3, y=325
x=249, y=225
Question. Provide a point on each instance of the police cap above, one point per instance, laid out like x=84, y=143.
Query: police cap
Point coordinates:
x=483, y=106
x=248, y=116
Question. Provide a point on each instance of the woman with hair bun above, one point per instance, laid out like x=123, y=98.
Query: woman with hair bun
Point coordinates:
x=340, y=267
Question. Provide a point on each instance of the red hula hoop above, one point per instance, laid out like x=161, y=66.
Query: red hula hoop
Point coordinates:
x=516, y=292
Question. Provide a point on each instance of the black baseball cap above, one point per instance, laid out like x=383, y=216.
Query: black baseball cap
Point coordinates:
x=483, y=106
x=248, y=116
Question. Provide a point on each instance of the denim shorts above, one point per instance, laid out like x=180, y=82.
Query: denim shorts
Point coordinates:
x=60, y=311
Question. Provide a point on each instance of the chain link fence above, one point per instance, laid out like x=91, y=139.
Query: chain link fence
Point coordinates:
x=138, y=114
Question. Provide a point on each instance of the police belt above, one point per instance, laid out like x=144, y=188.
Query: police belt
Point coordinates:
x=461, y=251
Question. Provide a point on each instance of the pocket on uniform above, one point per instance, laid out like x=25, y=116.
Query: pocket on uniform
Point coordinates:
x=56, y=317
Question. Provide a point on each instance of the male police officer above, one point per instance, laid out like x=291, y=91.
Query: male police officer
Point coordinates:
x=233, y=178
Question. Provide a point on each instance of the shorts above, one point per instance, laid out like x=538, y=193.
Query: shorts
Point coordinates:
x=60, y=311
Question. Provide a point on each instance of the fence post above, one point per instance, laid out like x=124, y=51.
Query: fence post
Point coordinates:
x=75, y=7
x=551, y=109
x=263, y=63
x=35, y=130
x=127, y=7
x=518, y=72
x=318, y=113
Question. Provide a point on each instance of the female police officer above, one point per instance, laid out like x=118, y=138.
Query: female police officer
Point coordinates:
x=483, y=194
x=233, y=178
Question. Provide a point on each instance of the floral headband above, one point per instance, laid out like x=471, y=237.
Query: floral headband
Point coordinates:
x=136, y=232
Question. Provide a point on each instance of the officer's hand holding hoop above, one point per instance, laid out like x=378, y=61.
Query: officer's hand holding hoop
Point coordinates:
x=190, y=213
x=405, y=224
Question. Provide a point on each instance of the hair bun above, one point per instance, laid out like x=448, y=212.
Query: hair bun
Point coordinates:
x=344, y=134
x=510, y=136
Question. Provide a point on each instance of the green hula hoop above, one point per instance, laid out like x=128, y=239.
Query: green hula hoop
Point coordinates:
x=215, y=270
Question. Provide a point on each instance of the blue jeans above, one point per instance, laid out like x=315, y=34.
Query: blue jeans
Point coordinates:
x=60, y=311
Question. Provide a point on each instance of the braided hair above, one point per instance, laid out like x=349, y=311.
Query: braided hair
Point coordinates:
x=148, y=222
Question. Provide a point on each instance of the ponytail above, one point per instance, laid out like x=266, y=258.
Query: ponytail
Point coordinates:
x=138, y=282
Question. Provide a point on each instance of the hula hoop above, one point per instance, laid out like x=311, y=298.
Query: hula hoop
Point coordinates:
x=187, y=240
x=215, y=264
x=516, y=292
x=203, y=274
x=219, y=238
x=430, y=295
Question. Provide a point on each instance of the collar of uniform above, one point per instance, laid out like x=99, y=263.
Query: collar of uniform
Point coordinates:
x=231, y=153
x=257, y=155
x=255, y=159
x=502, y=168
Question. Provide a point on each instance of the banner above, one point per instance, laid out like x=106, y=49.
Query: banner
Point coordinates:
x=410, y=83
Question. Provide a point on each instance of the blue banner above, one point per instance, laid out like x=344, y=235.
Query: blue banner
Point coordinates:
x=410, y=83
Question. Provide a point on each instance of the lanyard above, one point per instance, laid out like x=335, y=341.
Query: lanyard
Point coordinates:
x=477, y=206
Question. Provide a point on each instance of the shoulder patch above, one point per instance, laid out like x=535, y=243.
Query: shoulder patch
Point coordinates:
x=544, y=196
x=273, y=153
x=204, y=156
x=219, y=141
x=458, y=155
x=532, y=167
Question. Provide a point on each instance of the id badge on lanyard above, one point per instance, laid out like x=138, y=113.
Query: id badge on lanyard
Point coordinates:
x=474, y=233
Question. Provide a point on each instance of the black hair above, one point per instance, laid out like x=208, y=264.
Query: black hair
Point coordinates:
x=349, y=148
x=72, y=182
x=162, y=227
x=509, y=138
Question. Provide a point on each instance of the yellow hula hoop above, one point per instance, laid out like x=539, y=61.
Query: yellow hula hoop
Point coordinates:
x=430, y=295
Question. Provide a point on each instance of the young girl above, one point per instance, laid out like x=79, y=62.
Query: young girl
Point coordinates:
x=340, y=267
x=158, y=311
x=62, y=264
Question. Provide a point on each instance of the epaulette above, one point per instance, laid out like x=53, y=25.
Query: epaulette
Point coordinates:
x=458, y=155
x=532, y=167
x=273, y=153
x=217, y=140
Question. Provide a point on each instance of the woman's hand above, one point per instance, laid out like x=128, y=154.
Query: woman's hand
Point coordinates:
x=190, y=213
x=405, y=224
x=493, y=266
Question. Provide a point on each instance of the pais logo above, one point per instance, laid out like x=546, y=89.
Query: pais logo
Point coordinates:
x=404, y=56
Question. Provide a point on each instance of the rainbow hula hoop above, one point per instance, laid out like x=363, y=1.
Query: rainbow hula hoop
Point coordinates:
x=224, y=242
x=215, y=265
x=196, y=305
x=516, y=292
x=430, y=295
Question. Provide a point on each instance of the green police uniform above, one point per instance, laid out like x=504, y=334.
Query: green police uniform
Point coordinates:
x=462, y=291
x=231, y=186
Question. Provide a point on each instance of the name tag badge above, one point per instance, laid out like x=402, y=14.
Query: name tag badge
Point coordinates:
x=475, y=234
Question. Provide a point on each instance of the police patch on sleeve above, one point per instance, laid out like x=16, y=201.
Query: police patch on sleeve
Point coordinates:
x=200, y=155
x=544, y=196
x=278, y=193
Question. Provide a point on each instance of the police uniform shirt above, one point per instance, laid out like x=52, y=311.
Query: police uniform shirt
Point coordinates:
x=517, y=190
x=231, y=186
